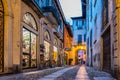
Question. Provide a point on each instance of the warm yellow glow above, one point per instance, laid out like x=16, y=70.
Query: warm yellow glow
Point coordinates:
x=81, y=47
x=73, y=53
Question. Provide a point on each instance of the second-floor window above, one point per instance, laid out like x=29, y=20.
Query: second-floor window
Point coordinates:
x=79, y=39
x=105, y=13
x=80, y=24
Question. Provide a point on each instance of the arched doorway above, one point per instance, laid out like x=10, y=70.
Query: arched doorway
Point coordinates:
x=1, y=37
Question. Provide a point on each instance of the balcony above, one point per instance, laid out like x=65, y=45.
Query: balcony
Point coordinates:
x=50, y=10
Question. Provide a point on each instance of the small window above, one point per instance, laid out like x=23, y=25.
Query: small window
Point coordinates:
x=29, y=19
x=79, y=39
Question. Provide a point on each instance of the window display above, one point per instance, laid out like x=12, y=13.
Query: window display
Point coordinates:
x=33, y=50
x=47, y=50
x=55, y=53
x=29, y=49
x=26, y=41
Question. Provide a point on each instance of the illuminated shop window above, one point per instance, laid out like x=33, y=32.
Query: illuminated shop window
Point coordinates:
x=55, y=53
x=29, y=19
x=29, y=49
x=47, y=50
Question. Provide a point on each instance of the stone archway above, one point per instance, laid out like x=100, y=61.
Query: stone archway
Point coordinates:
x=75, y=50
x=1, y=36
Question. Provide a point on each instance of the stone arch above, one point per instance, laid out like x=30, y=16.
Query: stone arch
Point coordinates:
x=29, y=19
x=75, y=50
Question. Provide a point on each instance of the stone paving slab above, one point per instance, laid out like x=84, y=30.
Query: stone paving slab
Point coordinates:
x=82, y=74
x=81, y=79
x=53, y=76
x=31, y=75
x=103, y=78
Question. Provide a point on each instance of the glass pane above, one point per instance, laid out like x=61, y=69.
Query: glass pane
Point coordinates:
x=55, y=53
x=33, y=50
x=26, y=41
x=26, y=61
x=47, y=50
x=28, y=19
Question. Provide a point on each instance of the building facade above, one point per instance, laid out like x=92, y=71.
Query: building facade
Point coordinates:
x=68, y=36
x=116, y=25
x=79, y=38
x=79, y=30
x=30, y=37
x=94, y=26
x=102, y=37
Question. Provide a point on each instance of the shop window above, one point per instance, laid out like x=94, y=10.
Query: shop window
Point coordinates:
x=29, y=19
x=54, y=53
x=47, y=50
x=29, y=49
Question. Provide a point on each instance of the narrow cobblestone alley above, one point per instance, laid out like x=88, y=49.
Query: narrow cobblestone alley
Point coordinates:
x=78, y=72
x=59, y=39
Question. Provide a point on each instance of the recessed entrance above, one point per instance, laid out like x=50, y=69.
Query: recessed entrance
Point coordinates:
x=106, y=51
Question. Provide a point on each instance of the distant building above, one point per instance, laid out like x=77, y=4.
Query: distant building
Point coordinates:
x=79, y=34
x=79, y=30
x=68, y=38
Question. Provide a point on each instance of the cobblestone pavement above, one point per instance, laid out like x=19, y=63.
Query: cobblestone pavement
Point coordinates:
x=98, y=75
x=54, y=76
x=82, y=74
x=61, y=73
x=85, y=73
x=34, y=75
x=70, y=74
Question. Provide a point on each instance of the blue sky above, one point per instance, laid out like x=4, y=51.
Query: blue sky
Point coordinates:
x=71, y=8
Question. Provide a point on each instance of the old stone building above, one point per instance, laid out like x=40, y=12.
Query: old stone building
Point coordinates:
x=102, y=36
x=20, y=35
x=68, y=39
x=55, y=21
x=29, y=35
x=116, y=31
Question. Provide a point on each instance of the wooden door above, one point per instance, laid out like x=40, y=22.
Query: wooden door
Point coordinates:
x=106, y=51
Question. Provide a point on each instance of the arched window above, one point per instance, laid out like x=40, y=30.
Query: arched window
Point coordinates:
x=47, y=35
x=29, y=19
x=29, y=39
x=1, y=37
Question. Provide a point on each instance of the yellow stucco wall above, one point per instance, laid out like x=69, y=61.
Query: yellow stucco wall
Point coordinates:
x=74, y=54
